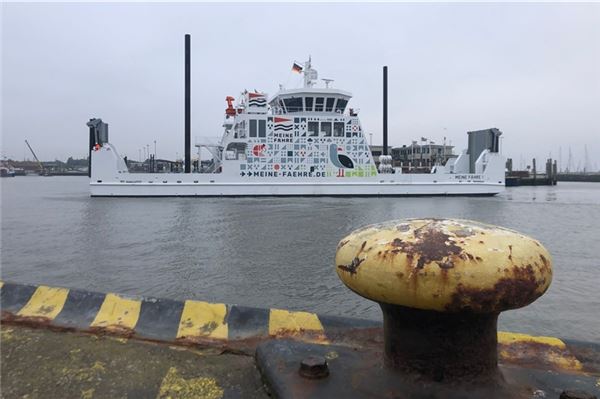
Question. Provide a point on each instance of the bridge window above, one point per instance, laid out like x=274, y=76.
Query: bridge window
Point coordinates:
x=326, y=129
x=341, y=105
x=262, y=128
x=252, y=127
x=319, y=104
x=313, y=129
x=309, y=103
x=329, y=105
x=293, y=104
x=338, y=129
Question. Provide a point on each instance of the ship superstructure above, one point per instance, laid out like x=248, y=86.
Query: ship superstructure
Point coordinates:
x=298, y=134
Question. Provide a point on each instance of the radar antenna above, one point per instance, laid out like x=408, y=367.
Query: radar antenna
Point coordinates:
x=327, y=82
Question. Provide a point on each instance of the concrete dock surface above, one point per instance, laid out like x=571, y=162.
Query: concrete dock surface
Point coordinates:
x=40, y=363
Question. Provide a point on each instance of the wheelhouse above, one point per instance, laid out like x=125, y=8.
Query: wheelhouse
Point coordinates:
x=310, y=100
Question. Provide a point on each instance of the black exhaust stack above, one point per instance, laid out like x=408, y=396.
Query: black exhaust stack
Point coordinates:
x=91, y=146
x=98, y=137
x=385, y=112
x=188, y=144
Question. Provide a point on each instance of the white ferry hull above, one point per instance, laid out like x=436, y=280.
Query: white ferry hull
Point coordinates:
x=291, y=189
x=111, y=178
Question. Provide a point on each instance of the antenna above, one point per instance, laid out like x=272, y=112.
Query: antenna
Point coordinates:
x=327, y=82
x=310, y=75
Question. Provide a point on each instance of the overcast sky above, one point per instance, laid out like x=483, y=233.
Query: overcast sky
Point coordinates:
x=531, y=70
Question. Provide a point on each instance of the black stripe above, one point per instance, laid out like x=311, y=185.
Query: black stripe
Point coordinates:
x=244, y=322
x=81, y=308
x=159, y=319
x=338, y=322
x=14, y=296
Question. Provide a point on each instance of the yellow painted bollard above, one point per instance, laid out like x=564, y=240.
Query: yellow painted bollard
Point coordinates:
x=441, y=285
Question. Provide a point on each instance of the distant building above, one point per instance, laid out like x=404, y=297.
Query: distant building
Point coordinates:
x=377, y=150
x=421, y=157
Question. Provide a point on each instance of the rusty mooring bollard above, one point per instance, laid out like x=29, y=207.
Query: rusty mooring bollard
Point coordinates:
x=441, y=285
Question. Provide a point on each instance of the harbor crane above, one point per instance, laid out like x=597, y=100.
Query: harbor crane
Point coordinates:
x=42, y=170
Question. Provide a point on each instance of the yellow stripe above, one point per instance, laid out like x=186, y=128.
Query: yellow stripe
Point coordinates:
x=45, y=302
x=117, y=311
x=203, y=319
x=557, y=354
x=285, y=322
x=509, y=338
x=1, y=283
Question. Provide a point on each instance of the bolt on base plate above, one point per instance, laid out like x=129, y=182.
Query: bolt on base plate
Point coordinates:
x=360, y=373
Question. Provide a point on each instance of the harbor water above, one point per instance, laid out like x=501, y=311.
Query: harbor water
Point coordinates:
x=278, y=252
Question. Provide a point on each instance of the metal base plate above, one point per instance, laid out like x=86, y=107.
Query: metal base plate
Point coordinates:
x=360, y=373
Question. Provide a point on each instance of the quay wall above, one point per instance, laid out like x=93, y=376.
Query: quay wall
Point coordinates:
x=242, y=328
x=167, y=320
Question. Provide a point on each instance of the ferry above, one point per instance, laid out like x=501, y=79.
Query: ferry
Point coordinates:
x=300, y=142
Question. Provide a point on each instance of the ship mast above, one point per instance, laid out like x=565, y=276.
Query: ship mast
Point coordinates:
x=310, y=75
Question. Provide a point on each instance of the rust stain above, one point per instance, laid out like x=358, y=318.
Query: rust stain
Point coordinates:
x=301, y=333
x=508, y=293
x=448, y=264
x=342, y=243
x=431, y=245
x=30, y=321
x=510, y=252
x=351, y=268
x=114, y=330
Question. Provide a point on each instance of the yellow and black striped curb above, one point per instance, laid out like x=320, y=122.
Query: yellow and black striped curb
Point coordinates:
x=194, y=321
x=164, y=319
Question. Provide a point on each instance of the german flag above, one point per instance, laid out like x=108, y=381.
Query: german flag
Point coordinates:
x=297, y=68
